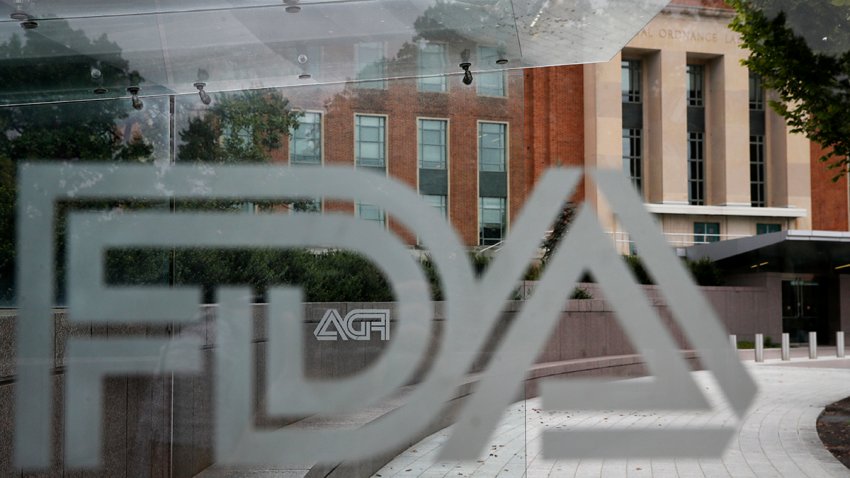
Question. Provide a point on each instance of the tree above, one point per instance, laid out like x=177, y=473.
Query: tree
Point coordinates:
x=241, y=127
x=77, y=130
x=801, y=50
x=565, y=217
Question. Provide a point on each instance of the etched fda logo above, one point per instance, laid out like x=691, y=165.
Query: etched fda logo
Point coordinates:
x=472, y=308
x=358, y=324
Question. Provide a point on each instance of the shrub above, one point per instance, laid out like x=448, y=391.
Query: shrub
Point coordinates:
x=637, y=269
x=705, y=272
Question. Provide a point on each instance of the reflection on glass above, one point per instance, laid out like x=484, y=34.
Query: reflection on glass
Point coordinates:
x=371, y=63
x=432, y=144
x=370, y=140
x=491, y=213
x=492, y=146
x=305, y=143
x=432, y=60
x=493, y=83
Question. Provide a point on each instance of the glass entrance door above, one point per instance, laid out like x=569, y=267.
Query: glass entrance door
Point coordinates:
x=802, y=308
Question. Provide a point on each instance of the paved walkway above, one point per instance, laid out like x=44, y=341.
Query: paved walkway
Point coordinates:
x=778, y=437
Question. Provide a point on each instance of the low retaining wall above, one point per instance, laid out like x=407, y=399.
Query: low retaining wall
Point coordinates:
x=163, y=426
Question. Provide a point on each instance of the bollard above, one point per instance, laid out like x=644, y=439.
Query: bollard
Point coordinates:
x=839, y=344
x=733, y=340
x=759, y=348
x=786, y=347
x=813, y=345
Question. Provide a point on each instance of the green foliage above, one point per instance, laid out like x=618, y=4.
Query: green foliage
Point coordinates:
x=107, y=130
x=239, y=127
x=580, y=293
x=562, y=223
x=705, y=272
x=801, y=50
x=748, y=345
x=433, y=279
x=533, y=272
x=333, y=276
x=479, y=263
x=636, y=266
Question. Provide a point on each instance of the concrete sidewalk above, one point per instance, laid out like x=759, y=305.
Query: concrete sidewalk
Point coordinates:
x=778, y=437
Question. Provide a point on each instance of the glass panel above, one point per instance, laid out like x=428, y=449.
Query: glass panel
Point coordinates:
x=696, y=169
x=432, y=61
x=167, y=49
x=491, y=213
x=369, y=140
x=305, y=145
x=632, y=156
x=491, y=143
x=438, y=202
x=631, y=82
x=238, y=270
x=696, y=81
x=432, y=144
x=756, y=93
x=490, y=84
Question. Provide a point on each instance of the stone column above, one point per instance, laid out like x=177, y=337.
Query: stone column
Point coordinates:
x=666, y=113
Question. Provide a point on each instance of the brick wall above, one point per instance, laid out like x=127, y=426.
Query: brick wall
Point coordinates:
x=554, y=120
x=829, y=199
x=402, y=103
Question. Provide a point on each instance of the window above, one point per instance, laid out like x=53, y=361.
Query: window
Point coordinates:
x=491, y=146
x=493, y=83
x=756, y=93
x=432, y=61
x=706, y=232
x=632, y=155
x=768, y=228
x=371, y=64
x=631, y=81
x=432, y=144
x=438, y=202
x=305, y=143
x=370, y=141
x=491, y=220
x=757, y=194
x=696, y=80
x=369, y=212
x=696, y=169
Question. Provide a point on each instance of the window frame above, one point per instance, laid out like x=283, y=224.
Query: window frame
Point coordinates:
x=633, y=163
x=756, y=93
x=503, y=225
x=767, y=228
x=695, y=85
x=443, y=206
x=426, y=84
x=380, y=64
x=696, y=168
x=482, y=87
x=702, y=234
x=293, y=139
x=359, y=206
x=758, y=169
x=357, y=141
x=505, y=146
x=634, y=69
x=444, y=163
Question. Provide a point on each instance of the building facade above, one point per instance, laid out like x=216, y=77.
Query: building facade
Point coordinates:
x=675, y=110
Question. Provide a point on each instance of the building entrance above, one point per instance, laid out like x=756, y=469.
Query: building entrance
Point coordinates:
x=803, y=309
